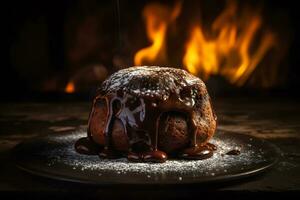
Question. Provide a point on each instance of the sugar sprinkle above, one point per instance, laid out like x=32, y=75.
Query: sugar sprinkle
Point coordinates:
x=218, y=164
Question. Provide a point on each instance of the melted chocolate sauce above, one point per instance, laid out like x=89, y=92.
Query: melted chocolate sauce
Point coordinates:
x=150, y=156
x=198, y=152
x=140, y=110
x=234, y=152
x=109, y=153
x=86, y=146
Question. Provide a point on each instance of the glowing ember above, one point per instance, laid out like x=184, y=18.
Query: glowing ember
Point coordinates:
x=157, y=18
x=228, y=53
x=70, y=87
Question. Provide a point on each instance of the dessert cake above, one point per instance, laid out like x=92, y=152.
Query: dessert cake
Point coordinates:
x=148, y=114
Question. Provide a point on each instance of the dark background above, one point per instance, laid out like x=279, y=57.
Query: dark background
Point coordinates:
x=36, y=43
x=48, y=25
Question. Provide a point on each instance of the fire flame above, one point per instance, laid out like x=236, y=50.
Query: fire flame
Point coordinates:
x=70, y=87
x=233, y=47
x=228, y=53
x=157, y=18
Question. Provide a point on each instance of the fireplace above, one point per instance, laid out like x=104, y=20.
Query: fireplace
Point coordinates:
x=69, y=48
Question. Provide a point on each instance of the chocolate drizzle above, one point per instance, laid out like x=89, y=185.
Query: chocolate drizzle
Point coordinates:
x=234, y=152
x=198, y=152
x=138, y=97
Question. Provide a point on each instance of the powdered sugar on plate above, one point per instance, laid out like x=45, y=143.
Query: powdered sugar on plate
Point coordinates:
x=218, y=164
x=54, y=156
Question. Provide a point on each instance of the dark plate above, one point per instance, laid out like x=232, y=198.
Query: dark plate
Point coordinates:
x=54, y=157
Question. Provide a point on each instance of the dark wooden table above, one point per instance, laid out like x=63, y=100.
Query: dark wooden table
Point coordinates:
x=274, y=119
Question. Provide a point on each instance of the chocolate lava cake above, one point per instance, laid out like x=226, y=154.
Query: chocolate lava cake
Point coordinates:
x=148, y=114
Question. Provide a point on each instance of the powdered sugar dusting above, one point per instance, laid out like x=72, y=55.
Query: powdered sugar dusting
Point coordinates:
x=218, y=164
x=152, y=81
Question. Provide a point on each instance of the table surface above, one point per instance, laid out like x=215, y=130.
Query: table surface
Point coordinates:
x=275, y=120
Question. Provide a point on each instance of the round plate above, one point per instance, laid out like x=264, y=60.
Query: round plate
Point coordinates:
x=54, y=157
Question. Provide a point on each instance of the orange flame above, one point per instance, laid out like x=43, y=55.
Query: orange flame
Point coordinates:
x=228, y=53
x=157, y=18
x=70, y=87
